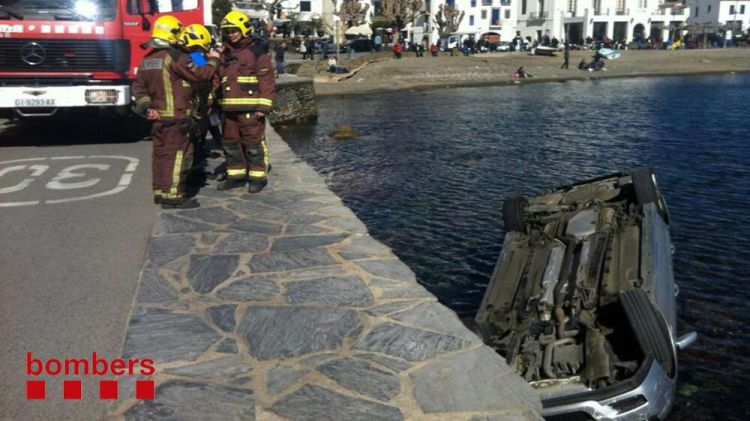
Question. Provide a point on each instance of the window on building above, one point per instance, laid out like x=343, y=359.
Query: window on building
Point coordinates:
x=642, y=4
x=696, y=11
x=304, y=6
x=471, y=20
x=507, y=13
x=451, y=3
x=495, y=17
x=523, y=7
x=597, y=6
x=505, y=2
x=484, y=14
x=732, y=10
x=742, y=9
x=540, y=7
x=620, y=7
x=709, y=8
x=486, y=2
x=473, y=3
x=572, y=6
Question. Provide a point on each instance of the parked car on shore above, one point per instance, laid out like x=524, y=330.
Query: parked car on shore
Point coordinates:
x=503, y=46
x=330, y=47
x=361, y=45
x=582, y=299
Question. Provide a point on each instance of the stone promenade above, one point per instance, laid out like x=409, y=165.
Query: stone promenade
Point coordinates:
x=281, y=306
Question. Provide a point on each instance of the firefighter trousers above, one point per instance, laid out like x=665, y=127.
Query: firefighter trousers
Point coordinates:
x=172, y=157
x=244, y=143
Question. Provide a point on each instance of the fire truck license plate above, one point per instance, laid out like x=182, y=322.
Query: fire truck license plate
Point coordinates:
x=35, y=102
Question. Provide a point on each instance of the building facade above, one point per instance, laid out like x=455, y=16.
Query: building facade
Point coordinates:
x=577, y=20
x=618, y=20
x=734, y=15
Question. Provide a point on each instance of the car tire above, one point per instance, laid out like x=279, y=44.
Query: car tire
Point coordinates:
x=513, y=213
x=647, y=191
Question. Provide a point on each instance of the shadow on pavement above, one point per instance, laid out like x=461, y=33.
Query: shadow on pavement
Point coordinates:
x=72, y=130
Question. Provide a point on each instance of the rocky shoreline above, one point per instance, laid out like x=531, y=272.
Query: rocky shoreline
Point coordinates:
x=385, y=74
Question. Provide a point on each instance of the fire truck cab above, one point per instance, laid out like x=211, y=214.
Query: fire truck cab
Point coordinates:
x=78, y=54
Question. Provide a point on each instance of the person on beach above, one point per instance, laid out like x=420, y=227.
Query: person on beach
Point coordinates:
x=521, y=73
x=433, y=50
x=566, y=56
x=303, y=49
x=279, y=56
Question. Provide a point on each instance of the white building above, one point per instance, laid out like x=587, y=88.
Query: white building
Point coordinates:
x=303, y=11
x=621, y=20
x=495, y=19
x=735, y=14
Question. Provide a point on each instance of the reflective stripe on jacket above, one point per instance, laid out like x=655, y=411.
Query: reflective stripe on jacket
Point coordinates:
x=245, y=80
x=164, y=82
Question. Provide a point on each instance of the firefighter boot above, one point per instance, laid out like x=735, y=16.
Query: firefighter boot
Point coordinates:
x=229, y=184
x=256, y=185
x=181, y=203
x=257, y=156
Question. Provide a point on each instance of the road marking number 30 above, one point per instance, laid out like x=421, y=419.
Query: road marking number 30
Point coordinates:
x=69, y=178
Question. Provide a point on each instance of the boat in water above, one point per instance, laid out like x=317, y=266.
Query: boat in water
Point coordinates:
x=609, y=53
x=582, y=300
x=542, y=50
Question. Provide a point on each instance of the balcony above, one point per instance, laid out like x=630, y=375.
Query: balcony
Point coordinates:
x=538, y=15
x=601, y=12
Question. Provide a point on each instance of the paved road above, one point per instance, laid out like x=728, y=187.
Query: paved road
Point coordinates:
x=74, y=225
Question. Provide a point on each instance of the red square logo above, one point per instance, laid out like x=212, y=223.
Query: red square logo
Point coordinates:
x=72, y=389
x=144, y=389
x=35, y=389
x=108, y=389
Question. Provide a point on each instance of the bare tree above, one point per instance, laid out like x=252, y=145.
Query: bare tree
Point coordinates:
x=273, y=7
x=402, y=12
x=353, y=13
x=447, y=19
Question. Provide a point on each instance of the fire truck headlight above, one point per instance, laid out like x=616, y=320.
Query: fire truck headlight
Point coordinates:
x=101, y=96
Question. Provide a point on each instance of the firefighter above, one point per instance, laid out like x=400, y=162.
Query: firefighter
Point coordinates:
x=246, y=84
x=197, y=42
x=163, y=92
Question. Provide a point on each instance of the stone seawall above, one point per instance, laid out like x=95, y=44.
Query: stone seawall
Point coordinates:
x=281, y=306
x=295, y=101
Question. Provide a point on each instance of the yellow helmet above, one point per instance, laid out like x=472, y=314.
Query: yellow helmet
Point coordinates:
x=168, y=28
x=196, y=35
x=239, y=20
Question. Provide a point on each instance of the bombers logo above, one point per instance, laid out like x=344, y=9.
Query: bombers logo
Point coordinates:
x=95, y=366
x=33, y=53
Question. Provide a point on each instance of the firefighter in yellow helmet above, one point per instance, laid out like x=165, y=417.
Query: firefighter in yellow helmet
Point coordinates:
x=197, y=41
x=246, y=86
x=163, y=92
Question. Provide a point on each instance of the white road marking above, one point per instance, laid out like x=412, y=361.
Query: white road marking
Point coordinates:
x=37, y=170
x=70, y=172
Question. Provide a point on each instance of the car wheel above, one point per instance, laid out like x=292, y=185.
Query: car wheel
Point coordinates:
x=647, y=191
x=513, y=213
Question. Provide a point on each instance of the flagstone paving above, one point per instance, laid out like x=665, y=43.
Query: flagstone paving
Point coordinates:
x=279, y=305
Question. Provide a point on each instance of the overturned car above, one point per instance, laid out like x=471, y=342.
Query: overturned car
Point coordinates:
x=582, y=300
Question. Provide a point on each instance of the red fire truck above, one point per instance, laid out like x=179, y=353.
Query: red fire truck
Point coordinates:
x=70, y=54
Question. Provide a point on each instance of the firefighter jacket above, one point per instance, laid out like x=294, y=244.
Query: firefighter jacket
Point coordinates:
x=165, y=82
x=245, y=79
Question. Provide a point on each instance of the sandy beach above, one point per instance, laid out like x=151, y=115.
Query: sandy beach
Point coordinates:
x=381, y=73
